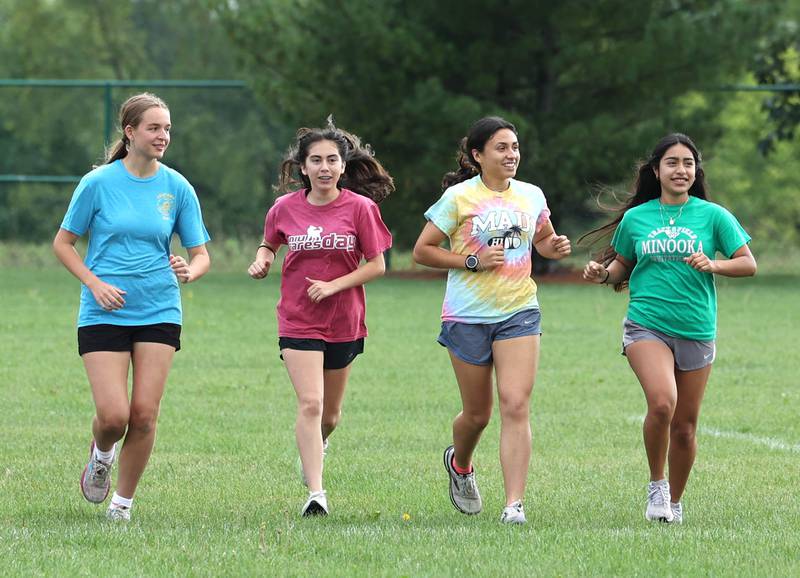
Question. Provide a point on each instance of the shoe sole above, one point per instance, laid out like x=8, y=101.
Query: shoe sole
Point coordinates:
x=450, y=484
x=83, y=479
x=314, y=509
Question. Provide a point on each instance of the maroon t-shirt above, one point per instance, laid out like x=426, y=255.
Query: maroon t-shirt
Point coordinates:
x=325, y=242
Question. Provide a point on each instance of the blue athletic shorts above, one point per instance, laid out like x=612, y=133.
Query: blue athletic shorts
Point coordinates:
x=472, y=342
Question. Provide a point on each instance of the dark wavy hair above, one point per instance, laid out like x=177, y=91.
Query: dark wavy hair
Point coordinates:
x=646, y=187
x=479, y=134
x=363, y=173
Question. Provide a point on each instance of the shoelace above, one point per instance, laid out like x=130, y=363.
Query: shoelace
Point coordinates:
x=99, y=469
x=468, y=485
x=658, y=495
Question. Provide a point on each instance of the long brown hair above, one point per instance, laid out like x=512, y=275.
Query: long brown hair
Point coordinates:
x=131, y=113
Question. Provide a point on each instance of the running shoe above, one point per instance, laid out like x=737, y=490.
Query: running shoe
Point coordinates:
x=463, y=489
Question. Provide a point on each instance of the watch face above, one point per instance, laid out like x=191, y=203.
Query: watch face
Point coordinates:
x=471, y=262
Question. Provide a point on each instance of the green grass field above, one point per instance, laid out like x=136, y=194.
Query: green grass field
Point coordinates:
x=221, y=495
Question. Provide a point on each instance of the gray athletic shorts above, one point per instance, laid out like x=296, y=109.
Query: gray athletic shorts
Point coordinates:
x=689, y=354
x=472, y=342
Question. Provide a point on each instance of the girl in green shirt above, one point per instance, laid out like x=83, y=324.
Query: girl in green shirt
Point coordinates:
x=664, y=244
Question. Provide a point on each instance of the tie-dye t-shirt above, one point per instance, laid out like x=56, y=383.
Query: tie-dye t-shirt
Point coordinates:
x=473, y=217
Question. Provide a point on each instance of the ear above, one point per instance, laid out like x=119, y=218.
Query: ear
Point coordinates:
x=303, y=170
x=128, y=130
x=476, y=154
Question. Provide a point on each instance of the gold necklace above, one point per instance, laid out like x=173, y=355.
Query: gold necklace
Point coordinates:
x=672, y=219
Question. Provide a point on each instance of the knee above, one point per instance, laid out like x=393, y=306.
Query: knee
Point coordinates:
x=661, y=411
x=331, y=420
x=309, y=407
x=143, y=419
x=113, y=423
x=683, y=435
x=478, y=420
x=515, y=408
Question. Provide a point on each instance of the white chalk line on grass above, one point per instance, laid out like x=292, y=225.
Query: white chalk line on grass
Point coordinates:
x=772, y=443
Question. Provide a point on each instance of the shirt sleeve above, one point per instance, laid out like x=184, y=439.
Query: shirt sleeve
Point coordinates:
x=373, y=236
x=272, y=234
x=189, y=220
x=622, y=242
x=82, y=208
x=729, y=235
x=444, y=213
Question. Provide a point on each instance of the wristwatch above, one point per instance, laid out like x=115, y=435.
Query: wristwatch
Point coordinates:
x=471, y=263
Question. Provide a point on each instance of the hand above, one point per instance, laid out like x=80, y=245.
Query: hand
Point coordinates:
x=108, y=297
x=595, y=273
x=259, y=268
x=491, y=257
x=181, y=268
x=561, y=245
x=700, y=262
x=319, y=290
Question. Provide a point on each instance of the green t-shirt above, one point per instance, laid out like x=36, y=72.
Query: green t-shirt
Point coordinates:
x=667, y=294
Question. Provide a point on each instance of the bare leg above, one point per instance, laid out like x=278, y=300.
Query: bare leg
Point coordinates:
x=335, y=382
x=516, y=361
x=108, y=377
x=151, y=364
x=475, y=384
x=306, y=374
x=683, y=440
x=654, y=366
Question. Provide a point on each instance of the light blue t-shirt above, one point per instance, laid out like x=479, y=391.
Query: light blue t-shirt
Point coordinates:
x=130, y=222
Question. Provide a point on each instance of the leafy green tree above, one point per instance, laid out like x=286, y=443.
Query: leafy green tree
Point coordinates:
x=591, y=85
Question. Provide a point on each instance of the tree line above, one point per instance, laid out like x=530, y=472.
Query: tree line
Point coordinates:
x=590, y=85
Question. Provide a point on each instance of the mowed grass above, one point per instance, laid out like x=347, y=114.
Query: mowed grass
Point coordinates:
x=221, y=495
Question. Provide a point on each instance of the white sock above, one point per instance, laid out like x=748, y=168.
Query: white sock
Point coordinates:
x=106, y=457
x=117, y=500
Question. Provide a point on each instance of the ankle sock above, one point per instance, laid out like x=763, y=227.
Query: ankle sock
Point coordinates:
x=117, y=500
x=106, y=457
x=461, y=471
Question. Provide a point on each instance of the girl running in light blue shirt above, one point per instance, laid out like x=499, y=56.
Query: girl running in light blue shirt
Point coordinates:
x=130, y=308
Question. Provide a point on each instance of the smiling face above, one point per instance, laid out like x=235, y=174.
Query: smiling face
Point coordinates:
x=323, y=167
x=499, y=158
x=676, y=172
x=150, y=138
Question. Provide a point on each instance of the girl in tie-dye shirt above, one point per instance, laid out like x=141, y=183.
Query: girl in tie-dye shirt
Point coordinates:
x=490, y=316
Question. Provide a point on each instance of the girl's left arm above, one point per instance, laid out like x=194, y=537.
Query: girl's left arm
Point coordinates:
x=741, y=264
x=372, y=269
x=550, y=245
x=198, y=265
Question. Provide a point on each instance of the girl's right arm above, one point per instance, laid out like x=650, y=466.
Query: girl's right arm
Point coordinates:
x=427, y=251
x=616, y=272
x=265, y=256
x=107, y=296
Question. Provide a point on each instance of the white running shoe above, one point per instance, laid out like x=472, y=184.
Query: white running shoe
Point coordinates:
x=513, y=514
x=658, y=500
x=96, y=478
x=677, y=512
x=302, y=473
x=117, y=513
x=316, y=505
x=463, y=490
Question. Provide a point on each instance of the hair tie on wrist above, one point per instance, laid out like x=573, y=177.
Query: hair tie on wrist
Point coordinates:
x=267, y=247
x=608, y=274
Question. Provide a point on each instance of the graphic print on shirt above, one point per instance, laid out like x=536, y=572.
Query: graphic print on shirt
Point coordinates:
x=670, y=243
x=165, y=202
x=314, y=239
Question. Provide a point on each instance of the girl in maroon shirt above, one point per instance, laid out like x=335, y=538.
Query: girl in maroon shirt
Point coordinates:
x=329, y=226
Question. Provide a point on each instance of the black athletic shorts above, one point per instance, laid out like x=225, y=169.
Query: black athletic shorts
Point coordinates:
x=335, y=355
x=106, y=337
